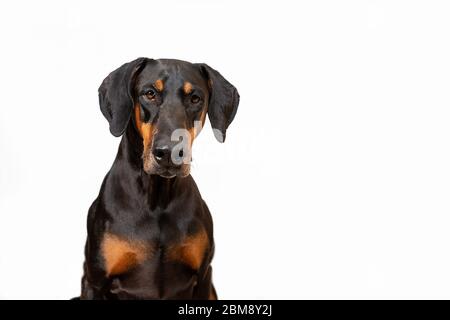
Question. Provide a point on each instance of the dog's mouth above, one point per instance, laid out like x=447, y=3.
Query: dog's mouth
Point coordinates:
x=167, y=175
x=168, y=172
x=176, y=166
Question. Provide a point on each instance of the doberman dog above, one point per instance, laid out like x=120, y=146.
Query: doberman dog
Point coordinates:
x=150, y=234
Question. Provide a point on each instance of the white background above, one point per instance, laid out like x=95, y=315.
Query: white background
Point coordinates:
x=334, y=180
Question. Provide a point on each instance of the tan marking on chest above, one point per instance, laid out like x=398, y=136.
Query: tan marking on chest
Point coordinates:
x=191, y=251
x=121, y=254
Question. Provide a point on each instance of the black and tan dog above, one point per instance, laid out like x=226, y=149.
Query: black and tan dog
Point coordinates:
x=150, y=234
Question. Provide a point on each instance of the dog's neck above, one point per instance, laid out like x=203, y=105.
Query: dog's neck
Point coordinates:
x=158, y=190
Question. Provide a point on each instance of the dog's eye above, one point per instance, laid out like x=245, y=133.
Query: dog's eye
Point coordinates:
x=151, y=94
x=195, y=99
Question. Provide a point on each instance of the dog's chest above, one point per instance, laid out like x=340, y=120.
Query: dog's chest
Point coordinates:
x=124, y=254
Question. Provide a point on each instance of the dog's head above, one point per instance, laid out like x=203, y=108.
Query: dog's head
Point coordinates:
x=167, y=101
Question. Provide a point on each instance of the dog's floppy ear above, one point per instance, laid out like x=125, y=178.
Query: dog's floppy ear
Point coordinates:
x=223, y=102
x=116, y=95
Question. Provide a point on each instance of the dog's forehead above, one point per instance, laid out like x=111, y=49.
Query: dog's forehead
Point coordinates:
x=171, y=72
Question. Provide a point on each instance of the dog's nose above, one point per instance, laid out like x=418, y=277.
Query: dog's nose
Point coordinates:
x=162, y=154
x=168, y=155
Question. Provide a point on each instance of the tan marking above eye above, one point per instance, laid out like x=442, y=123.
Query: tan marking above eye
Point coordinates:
x=187, y=87
x=120, y=254
x=191, y=251
x=159, y=85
